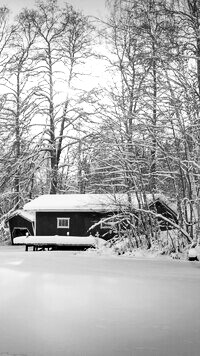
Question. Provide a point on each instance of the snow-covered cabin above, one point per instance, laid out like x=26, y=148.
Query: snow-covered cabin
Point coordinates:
x=74, y=214
x=71, y=214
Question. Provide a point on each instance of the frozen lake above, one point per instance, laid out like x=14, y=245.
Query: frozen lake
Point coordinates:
x=60, y=303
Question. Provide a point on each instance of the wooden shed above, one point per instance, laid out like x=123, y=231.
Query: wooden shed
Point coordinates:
x=20, y=223
x=166, y=211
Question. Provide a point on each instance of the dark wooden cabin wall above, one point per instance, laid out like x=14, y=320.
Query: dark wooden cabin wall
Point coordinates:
x=80, y=222
x=19, y=222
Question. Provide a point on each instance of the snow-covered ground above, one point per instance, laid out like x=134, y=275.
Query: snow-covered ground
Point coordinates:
x=74, y=304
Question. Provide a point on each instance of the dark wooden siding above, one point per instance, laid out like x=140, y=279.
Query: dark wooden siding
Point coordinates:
x=80, y=222
x=18, y=221
x=164, y=210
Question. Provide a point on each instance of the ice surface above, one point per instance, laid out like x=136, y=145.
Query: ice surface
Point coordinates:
x=65, y=304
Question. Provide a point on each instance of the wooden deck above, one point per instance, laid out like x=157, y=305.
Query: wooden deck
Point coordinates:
x=51, y=242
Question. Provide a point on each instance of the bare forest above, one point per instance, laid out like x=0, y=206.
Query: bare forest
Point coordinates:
x=134, y=129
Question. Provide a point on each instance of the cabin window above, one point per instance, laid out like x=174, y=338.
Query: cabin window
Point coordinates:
x=63, y=223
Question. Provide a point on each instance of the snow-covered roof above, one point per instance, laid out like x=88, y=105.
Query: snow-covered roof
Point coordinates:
x=72, y=202
x=28, y=215
x=82, y=202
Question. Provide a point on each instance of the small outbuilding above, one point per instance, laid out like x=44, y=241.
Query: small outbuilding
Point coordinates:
x=168, y=214
x=20, y=223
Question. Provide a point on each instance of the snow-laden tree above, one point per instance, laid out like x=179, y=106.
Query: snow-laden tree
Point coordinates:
x=63, y=47
x=19, y=108
x=181, y=79
x=142, y=120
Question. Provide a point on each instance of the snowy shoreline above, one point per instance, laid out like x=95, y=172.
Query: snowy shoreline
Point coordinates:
x=101, y=252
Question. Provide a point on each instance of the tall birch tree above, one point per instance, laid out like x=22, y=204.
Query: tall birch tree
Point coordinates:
x=19, y=109
x=64, y=38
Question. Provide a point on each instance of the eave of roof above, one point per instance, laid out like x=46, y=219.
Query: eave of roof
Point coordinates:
x=28, y=215
x=169, y=207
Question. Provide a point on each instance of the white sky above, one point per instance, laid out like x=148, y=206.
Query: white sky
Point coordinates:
x=95, y=8
x=89, y=7
x=95, y=68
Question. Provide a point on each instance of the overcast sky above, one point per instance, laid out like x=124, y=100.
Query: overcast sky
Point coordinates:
x=89, y=7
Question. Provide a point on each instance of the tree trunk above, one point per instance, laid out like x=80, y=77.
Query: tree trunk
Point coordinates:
x=154, y=123
x=17, y=145
x=53, y=157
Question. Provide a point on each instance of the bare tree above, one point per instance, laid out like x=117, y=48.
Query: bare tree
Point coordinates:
x=64, y=37
x=20, y=107
x=142, y=114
